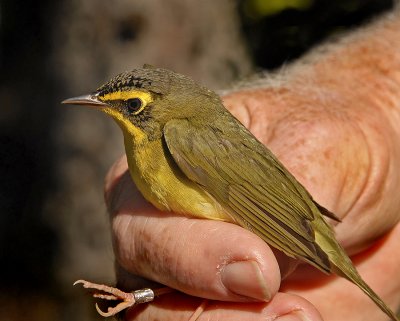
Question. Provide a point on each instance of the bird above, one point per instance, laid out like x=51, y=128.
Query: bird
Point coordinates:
x=188, y=154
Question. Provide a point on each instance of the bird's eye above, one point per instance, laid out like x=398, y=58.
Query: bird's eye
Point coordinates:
x=135, y=105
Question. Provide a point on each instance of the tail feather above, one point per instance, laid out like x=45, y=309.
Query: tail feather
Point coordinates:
x=351, y=274
x=342, y=266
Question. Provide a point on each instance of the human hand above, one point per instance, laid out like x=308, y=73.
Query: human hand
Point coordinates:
x=340, y=160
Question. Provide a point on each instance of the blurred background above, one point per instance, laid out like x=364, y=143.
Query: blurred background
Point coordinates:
x=53, y=224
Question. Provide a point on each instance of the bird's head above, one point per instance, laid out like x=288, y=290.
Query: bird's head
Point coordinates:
x=143, y=100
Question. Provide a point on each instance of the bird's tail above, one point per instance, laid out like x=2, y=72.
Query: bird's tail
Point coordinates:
x=351, y=274
x=342, y=266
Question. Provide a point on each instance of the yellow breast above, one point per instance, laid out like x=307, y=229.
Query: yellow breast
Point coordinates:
x=163, y=184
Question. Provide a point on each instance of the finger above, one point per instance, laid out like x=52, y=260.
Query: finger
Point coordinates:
x=344, y=162
x=283, y=307
x=345, y=172
x=205, y=258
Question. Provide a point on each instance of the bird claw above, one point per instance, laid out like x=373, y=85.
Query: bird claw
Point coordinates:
x=128, y=299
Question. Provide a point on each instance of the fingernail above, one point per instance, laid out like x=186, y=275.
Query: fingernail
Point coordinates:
x=293, y=316
x=245, y=278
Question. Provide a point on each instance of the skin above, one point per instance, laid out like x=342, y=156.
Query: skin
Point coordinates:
x=341, y=140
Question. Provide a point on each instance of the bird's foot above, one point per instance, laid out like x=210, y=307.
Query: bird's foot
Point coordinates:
x=128, y=299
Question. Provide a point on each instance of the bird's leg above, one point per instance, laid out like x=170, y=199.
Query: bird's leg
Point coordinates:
x=128, y=299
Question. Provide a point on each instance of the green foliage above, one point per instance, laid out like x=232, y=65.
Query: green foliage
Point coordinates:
x=261, y=8
x=278, y=31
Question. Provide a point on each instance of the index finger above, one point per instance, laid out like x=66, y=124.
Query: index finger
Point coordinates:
x=211, y=259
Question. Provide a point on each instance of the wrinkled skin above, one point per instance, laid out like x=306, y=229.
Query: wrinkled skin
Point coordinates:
x=343, y=145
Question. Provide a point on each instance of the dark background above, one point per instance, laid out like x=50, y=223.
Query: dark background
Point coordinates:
x=53, y=224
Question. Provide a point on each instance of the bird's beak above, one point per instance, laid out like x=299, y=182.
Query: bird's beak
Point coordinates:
x=87, y=100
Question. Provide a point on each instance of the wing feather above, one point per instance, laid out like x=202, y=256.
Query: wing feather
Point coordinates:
x=249, y=183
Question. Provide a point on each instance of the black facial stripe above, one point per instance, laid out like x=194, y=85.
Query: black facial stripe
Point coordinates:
x=144, y=116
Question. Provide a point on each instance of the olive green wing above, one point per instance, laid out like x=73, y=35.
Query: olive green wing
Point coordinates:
x=250, y=184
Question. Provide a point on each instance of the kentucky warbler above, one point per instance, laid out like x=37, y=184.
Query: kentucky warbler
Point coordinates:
x=188, y=154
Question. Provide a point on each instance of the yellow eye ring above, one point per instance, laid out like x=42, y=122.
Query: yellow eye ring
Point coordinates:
x=134, y=105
